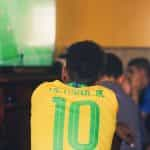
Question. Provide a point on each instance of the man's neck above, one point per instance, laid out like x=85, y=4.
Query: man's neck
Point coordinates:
x=107, y=79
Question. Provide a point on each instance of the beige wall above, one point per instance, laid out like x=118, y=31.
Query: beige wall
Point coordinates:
x=128, y=53
x=109, y=22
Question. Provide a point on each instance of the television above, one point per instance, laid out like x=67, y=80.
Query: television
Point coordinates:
x=27, y=32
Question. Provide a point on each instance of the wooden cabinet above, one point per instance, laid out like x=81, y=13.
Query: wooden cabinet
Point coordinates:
x=17, y=85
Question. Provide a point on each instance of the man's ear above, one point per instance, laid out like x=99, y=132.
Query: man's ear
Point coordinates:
x=121, y=79
x=100, y=80
x=64, y=75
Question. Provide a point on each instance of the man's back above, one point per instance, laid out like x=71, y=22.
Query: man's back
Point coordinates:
x=128, y=113
x=65, y=118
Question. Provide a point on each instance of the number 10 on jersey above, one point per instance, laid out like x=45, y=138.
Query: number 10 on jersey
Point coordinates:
x=73, y=124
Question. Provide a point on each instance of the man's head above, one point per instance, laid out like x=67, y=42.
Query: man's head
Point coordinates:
x=139, y=71
x=84, y=62
x=114, y=72
x=114, y=67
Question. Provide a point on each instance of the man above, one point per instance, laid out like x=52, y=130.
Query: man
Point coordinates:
x=128, y=110
x=138, y=72
x=77, y=115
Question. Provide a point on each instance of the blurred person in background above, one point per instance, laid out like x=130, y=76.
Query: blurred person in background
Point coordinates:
x=128, y=110
x=138, y=73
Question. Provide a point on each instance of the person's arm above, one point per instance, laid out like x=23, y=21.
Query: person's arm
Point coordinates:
x=125, y=133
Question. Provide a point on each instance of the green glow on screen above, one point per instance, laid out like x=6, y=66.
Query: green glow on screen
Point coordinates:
x=27, y=32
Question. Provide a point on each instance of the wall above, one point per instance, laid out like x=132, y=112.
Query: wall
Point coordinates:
x=109, y=22
x=128, y=53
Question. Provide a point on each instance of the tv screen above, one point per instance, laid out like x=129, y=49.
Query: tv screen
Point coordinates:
x=27, y=32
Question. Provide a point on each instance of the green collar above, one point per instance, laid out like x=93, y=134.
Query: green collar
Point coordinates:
x=77, y=85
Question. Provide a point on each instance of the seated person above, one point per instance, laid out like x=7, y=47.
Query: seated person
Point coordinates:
x=75, y=115
x=128, y=110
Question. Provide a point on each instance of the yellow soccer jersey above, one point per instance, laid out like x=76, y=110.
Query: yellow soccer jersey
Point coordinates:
x=68, y=118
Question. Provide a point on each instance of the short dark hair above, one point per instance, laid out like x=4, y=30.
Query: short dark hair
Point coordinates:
x=140, y=63
x=56, y=70
x=114, y=66
x=85, y=62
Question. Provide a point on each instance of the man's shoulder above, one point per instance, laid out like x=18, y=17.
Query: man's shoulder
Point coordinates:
x=122, y=97
x=109, y=94
x=49, y=84
x=113, y=86
x=43, y=87
x=116, y=88
x=105, y=88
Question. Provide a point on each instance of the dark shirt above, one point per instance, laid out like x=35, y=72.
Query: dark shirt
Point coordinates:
x=128, y=113
x=145, y=107
x=145, y=104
